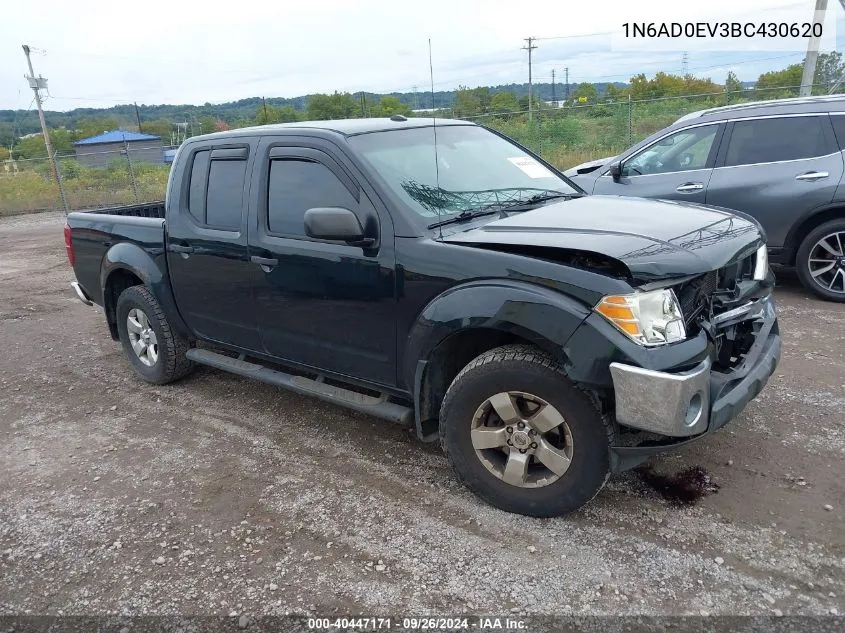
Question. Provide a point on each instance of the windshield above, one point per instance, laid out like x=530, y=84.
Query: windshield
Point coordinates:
x=476, y=168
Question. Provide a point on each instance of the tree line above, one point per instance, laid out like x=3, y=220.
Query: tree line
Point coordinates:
x=500, y=101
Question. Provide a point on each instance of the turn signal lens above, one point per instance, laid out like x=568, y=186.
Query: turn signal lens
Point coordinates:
x=647, y=318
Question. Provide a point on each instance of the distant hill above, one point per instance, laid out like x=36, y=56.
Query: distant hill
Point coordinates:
x=17, y=123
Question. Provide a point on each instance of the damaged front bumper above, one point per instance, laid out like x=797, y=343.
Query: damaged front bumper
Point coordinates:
x=685, y=405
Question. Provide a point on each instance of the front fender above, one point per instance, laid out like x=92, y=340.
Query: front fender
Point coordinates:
x=540, y=315
x=151, y=269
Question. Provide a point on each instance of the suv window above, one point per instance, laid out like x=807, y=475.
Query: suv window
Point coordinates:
x=215, y=197
x=776, y=139
x=682, y=151
x=297, y=185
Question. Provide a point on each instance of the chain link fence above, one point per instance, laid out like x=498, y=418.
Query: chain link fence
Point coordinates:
x=564, y=136
x=95, y=180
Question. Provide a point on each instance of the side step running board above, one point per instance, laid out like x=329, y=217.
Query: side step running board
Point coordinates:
x=378, y=407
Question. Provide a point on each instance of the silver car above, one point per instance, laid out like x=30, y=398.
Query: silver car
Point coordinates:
x=780, y=162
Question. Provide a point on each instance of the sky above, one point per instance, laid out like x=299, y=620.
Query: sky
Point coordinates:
x=99, y=54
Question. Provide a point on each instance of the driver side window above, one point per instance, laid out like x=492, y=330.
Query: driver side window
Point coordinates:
x=681, y=151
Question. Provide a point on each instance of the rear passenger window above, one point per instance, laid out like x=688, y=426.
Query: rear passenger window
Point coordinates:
x=225, y=194
x=299, y=185
x=777, y=139
x=199, y=183
x=215, y=197
x=838, y=121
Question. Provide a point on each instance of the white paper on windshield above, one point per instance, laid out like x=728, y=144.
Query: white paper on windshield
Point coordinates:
x=531, y=167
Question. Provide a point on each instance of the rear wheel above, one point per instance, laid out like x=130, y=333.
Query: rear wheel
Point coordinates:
x=522, y=437
x=820, y=261
x=155, y=350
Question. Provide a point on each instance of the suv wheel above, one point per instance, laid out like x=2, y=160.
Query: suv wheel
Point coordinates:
x=820, y=260
x=156, y=352
x=522, y=437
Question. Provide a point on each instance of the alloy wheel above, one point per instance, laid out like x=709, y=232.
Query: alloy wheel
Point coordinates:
x=521, y=439
x=142, y=337
x=826, y=263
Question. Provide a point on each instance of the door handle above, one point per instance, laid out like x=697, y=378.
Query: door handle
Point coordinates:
x=812, y=175
x=690, y=187
x=267, y=263
x=184, y=251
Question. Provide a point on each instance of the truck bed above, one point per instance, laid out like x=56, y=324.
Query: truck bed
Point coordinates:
x=144, y=210
x=95, y=231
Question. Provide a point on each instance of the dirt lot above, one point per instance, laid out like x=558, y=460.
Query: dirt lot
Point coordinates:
x=220, y=495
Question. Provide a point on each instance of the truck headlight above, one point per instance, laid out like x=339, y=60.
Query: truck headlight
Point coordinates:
x=761, y=264
x=648, y=318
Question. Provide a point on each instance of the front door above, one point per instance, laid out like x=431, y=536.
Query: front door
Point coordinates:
x=321, y=304
x=675, y=167
x=207, y=244
x=777, y=169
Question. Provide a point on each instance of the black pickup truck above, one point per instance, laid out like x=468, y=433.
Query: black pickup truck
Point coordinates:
x=440, y=275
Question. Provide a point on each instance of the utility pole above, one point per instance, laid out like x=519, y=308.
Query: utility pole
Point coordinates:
x=264, y=103
x=530, y=47
x=554, y=102
x=36, y=83
x=566, y=90
x=812, y=52
x=138, y=117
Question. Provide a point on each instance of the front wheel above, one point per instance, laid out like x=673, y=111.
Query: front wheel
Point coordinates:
x=820, y=261
x=522, y=437
x=155, y=350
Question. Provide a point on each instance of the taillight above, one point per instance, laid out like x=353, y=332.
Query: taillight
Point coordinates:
x=69, y=245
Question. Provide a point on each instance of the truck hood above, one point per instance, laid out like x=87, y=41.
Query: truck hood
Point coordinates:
x=654, y=239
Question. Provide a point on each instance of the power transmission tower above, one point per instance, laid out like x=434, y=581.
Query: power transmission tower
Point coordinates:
x=554, y=103
x=530, y=47
x=37, y=83
x=684, y=64
x=812, y=52
x=416, y=101
x=566, y=89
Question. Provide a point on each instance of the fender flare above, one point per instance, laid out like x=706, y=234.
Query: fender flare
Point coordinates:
x=541, y=315
x=151, y=270
x=791, y=242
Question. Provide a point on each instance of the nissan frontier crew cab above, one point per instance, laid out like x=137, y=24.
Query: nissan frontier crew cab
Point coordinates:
x=437, y=274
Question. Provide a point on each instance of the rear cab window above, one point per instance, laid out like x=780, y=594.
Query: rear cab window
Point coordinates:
x=216, y=189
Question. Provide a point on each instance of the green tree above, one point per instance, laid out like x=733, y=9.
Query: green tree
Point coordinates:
x=275, y=114
x=33, y=146
x=339, y=105
x=467, y=103
x=4, y=153
x=504, y=103
x=585, y=93
x=96, y=125
x=829, y=68
x=733, y=86
x=208, y=124
x=780, y=83
x=158, y=127
x=389, y=105
x=614, y=93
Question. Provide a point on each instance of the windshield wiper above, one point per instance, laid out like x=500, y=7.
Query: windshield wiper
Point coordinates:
x=468, y=214
x=502, y=207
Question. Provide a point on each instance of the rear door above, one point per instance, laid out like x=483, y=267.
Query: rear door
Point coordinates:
x=776, y=169
x=207, y=243
x=322, y=304
x=675, y=167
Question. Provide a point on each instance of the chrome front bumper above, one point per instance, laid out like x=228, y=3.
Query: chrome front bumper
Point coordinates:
x=689, y=403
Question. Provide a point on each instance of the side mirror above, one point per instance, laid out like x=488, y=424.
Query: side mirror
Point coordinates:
x=616, y=170
x=335, y=223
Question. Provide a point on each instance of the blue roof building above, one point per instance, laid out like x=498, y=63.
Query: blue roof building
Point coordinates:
x=100, y=150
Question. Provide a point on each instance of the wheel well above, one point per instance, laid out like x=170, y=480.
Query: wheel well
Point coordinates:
x=803, y=229
x=453, y=354
x=117, y=282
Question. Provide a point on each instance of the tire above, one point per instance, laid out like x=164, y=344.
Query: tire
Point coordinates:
x=163, y=359
x=811, y=256
x=584, y=436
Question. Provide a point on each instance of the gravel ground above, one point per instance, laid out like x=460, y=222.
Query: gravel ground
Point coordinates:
x=217, y=495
